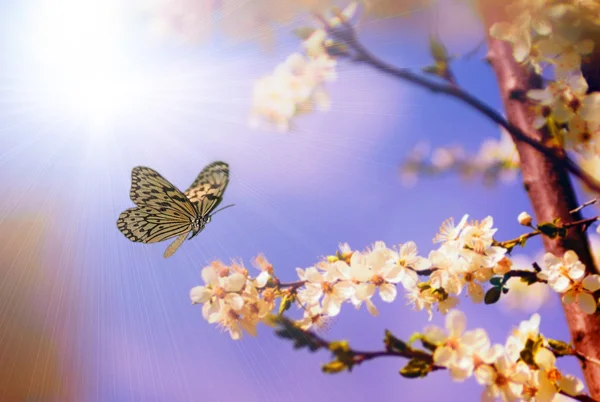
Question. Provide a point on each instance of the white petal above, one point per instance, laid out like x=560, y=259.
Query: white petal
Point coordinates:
x=209, y=275
x=344, y=290
x=262, y=279
x=591, y=283
x=235, y=301
x=235, y=282
x=587, y=303
x=371, y=308
x=331, y=306
x=364, y=291
x=387, y=292
x=408, y=250
x=571, y=385
x=444, y=356
x=577, y=270
x=456, y=323
x=435, y=334
x=485, y=374
x=545, y=359
x=312, y=275
x=560, y=283
x=200, y=294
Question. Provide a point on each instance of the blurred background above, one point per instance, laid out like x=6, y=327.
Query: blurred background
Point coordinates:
x=90, y=89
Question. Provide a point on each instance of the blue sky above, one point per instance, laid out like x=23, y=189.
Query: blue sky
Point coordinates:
x=133, y=334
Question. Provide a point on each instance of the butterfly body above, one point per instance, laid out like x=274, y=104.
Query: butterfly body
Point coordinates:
x=163, y=212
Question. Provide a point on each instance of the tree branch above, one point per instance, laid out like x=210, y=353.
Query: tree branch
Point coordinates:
x=347, y=35
x=548, y=185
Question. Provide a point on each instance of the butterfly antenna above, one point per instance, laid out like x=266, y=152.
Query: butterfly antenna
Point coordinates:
x=220, y=209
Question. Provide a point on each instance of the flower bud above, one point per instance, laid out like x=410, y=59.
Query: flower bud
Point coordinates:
x=524, y=219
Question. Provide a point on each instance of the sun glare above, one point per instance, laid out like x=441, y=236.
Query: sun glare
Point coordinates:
x=81, y=49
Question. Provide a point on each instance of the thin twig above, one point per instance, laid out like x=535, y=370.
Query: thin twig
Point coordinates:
x=345, y=33
x=585, y=204
x=584, y=223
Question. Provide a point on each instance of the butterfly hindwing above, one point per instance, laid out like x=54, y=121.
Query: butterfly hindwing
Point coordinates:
x=208, y=188
x=151, y=225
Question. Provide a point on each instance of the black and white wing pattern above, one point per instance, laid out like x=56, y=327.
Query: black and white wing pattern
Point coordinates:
x=208, y=188
x=162, y=211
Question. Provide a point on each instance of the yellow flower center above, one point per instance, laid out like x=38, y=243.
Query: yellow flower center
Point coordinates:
x=501, y=381
x=220, y=292
x=377, y=280
x=327, y=287
x=554, y=375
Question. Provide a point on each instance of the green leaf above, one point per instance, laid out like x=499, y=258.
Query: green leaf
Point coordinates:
x=428, y=345
x=339, y=347
x=496, y=281
x=527, y=356
x=438, y=50
x=394, y=344
x=552, y=230
x=492, y=295
x=286, y=303
x=301, y=338
x=415, y=368
x=560, y=348
x=334, y=367
x=303, y=32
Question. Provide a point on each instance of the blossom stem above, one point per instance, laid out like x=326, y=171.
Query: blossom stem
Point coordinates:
x=584, y=223
x=292, y=285
x=347, y=35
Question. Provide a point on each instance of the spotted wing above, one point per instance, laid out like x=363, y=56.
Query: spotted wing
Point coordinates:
x=151, y=225
x=208, y=188
x=150, y=189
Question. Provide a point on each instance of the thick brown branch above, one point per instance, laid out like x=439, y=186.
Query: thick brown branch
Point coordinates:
x=548, y=185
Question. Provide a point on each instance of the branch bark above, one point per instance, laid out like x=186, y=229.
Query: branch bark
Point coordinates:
x=548, y=185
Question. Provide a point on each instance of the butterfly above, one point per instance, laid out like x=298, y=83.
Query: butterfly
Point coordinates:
x=163, y=212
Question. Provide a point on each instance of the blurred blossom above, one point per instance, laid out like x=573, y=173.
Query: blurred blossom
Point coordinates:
x=496, y=160
x=522, y=297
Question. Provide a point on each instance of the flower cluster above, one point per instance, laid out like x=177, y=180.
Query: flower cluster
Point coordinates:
x=551, y=33
x=297, y=86
x=467, y=258
x=567, y=276
x=524, y=368
x=233, y=300
x=497, y=159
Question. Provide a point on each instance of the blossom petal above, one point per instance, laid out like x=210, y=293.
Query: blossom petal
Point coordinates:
x=200, y=294
x=209, y=275
x=591, y=283
x=387, y=292
x=587, y=303
x=571, y=385
x=456, y=322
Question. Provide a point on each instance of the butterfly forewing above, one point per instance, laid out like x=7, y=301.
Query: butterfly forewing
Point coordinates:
x=149, y=188
x=208, y=188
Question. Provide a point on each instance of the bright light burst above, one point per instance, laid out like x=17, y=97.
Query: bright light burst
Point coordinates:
x=79, y=48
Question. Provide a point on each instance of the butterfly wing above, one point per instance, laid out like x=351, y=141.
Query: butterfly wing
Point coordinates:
x=151, y=225
x=149, y=188
x=208, y=188
x=162, y=211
